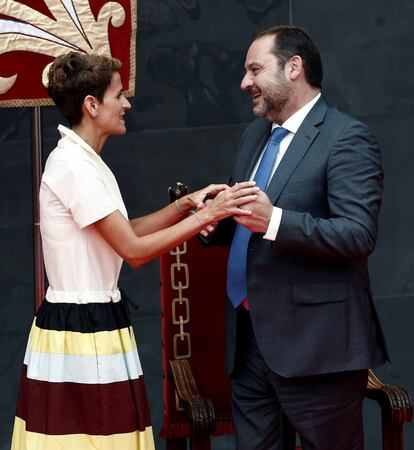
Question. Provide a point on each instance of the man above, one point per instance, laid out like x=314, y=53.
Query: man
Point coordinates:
x=302, y=328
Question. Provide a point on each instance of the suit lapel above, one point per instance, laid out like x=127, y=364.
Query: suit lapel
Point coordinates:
x=300, y=144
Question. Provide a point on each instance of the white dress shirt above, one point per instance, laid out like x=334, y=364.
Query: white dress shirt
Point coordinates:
x=292, y=124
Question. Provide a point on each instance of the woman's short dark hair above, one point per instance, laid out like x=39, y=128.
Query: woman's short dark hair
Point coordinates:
x=75, y=75
x=290, y=41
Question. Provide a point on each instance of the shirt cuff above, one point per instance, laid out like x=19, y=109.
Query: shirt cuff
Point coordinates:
x=274, y=224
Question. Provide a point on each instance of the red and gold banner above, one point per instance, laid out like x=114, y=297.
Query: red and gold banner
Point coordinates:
x=34, y=32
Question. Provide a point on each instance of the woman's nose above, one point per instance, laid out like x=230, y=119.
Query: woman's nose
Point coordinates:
x=126, y=104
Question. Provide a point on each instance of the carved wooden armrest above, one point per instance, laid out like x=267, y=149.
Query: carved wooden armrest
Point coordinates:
x=200, y=410
x=395, y=401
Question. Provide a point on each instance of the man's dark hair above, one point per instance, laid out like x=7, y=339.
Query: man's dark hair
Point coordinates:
x=290, y=41
x=75, y=75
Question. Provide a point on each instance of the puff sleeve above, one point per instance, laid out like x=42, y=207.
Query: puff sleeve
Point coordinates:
x=81, y=189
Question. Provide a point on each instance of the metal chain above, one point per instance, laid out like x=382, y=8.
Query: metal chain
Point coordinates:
x=180, y=281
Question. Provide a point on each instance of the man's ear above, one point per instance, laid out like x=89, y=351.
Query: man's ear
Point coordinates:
x=294, y=67
x=90, y=104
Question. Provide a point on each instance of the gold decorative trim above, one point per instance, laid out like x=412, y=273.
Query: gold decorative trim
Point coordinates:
x=74, y=28
x=133, y=49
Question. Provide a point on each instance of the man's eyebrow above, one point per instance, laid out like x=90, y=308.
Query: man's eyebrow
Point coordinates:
x=253, y=63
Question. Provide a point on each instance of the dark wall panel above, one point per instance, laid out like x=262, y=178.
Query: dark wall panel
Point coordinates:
x=188, y=115
x=16, y=263
x=392, y=264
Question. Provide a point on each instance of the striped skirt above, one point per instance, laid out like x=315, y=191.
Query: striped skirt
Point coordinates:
x=82, y=386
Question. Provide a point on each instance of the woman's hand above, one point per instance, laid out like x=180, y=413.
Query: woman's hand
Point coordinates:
x=195, y=200
x=228, y=201
x=209, y=229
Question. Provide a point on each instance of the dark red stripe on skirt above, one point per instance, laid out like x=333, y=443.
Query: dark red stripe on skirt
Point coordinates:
x=96, y=409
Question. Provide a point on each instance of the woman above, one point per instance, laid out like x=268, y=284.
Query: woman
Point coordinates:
x=82, y=386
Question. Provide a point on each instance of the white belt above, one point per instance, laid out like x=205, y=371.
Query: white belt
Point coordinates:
x=110, y=295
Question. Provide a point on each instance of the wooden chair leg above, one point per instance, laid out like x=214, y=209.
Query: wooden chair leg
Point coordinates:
x=176, y=444
x=200, y=410
x=392, y=435
x=396, y=409
x=200, y=441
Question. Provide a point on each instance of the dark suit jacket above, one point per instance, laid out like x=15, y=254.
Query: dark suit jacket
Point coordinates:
x=309, y=291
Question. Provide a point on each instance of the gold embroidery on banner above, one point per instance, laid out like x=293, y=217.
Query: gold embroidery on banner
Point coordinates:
x=180, y=281
x=74, y=28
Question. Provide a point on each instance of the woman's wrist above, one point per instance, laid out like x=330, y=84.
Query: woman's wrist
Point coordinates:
x=183, y=205
x=179, y=207
x=203, y=216
x=187, y=204
x=199, y=219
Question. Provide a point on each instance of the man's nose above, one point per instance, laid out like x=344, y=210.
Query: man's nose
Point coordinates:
x=246, y=82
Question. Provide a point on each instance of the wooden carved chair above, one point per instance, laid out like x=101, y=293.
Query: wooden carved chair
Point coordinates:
x=196, y=391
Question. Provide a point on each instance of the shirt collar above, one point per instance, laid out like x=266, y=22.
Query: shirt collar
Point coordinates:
x=293, y=123
x=67, y=132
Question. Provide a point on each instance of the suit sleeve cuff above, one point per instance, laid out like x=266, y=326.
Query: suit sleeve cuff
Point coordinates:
x=274, y=224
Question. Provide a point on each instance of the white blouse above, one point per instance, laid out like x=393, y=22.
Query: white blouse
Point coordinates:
x=77, y=189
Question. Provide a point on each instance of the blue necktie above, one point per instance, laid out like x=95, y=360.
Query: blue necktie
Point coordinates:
x=236, y=265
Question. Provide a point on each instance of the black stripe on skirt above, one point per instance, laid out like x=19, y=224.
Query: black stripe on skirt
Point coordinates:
x=83, y=318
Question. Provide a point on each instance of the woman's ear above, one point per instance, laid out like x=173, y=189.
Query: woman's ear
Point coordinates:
x=90, y=104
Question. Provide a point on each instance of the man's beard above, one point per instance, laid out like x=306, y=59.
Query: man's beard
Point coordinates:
x=274, y=102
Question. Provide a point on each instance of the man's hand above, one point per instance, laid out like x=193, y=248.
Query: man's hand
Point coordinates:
x=261, y=212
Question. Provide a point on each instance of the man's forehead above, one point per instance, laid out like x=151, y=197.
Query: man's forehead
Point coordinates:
x=264, y=42
x=260, y=50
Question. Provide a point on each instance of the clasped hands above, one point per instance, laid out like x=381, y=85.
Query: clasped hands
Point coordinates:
x=253, y=208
